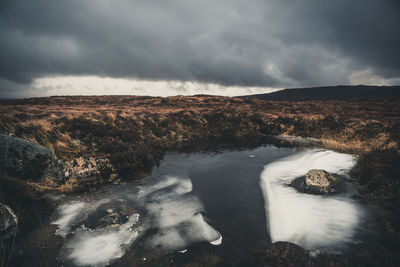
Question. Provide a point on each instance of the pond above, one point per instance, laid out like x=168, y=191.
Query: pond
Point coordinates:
x=218, y=206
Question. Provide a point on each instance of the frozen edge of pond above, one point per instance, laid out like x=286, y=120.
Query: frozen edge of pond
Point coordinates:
x=311, y=221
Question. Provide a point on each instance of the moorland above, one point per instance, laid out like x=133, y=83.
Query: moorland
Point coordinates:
x=126, y=136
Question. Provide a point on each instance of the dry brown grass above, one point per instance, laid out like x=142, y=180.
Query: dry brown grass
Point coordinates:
x=345, y=145
x=69, y=186
x=40, y=120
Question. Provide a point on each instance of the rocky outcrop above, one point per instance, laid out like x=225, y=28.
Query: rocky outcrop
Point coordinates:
x=14, y=145
x=28, y=160
x=319, y=182
x=34, y=162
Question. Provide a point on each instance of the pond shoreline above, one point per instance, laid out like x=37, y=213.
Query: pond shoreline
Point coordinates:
x=289, y=249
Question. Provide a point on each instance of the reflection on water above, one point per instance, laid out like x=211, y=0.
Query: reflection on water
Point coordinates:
x=208, y=204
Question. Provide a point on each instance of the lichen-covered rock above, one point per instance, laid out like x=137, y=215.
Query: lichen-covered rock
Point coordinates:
x=81, y=167
x=319, y=182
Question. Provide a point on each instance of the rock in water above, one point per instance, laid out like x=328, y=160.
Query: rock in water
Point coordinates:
x=319, y=182
x=8, y=223
x=8, y=219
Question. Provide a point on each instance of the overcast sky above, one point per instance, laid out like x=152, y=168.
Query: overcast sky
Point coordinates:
x=173, y=47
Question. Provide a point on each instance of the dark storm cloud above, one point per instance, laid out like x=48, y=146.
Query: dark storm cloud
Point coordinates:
x=253, y=43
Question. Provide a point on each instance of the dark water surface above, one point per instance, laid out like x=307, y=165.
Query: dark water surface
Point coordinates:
x=228, y=185
x=200, y=208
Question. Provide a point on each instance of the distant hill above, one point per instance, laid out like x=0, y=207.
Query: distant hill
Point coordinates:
x=359, y=92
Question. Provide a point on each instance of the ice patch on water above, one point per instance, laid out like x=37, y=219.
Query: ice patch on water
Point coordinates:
x=313, y=222
x=173, y=220
x=176, y=215
x=68, y=212
x=99, y=247
x=169, y=185
x=72, y=212
x=217, y=241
